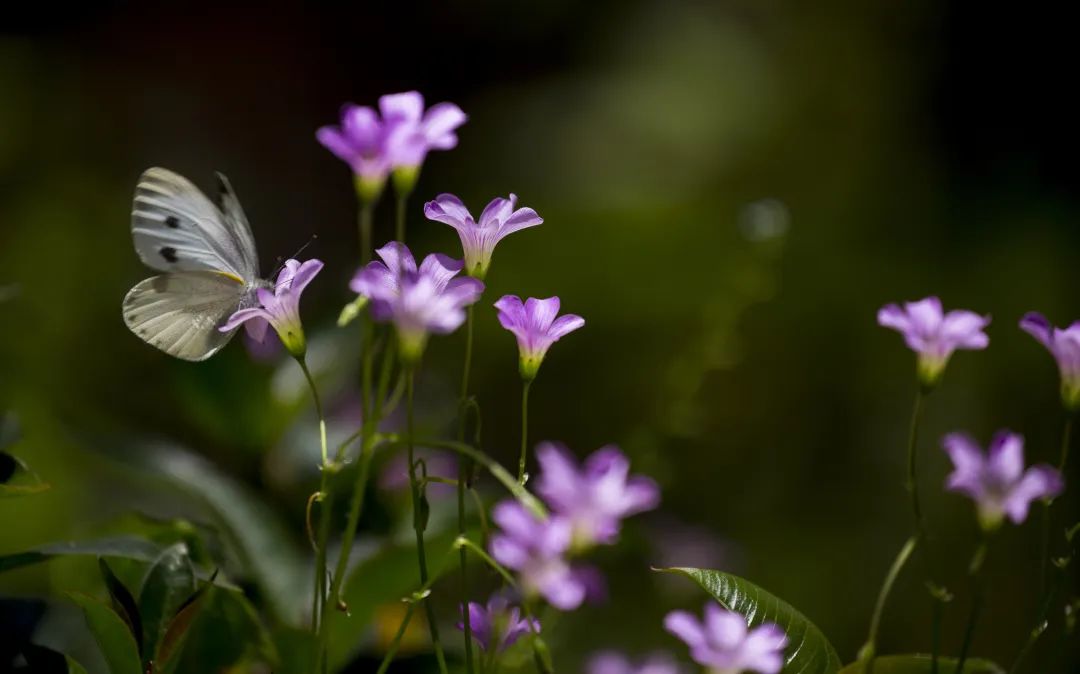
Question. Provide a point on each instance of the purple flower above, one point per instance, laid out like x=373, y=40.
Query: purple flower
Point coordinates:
x=417, y=301
x=724, y=643
x=997, y=481
x=398, y=141
x=1064, y=346
x=535, y=548
x=596, y=497
x=498, y=625
x=280, y=307
x=478, y=239
x=361, y=142
x=933, y=334
x=412, y=133
x=611, y=662
x=536, y=327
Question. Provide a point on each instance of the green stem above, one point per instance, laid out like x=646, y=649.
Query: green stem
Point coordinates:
x=1044, y=566
x=497, y=471
x=418, y=523
x=524, y=429
x=399, y=218
x=869, y=650
x=974, y=571
x=324, y=520
x=364, y=224
x=935, y=644
x=463, y=475
x=392, y=651
x=912, y=477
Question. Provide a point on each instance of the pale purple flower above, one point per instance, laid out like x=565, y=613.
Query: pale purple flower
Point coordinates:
x=535, y=548
x=536, y=328
x=280, y=307
x=595, y=497
x=612, y=662
x=726, y=645
x=478, y=239
x=997, y=481
x=418, y=301
x=361, y=142
x=933, y=334
x=414, y=132
x=498, y=625
x=1064, y=346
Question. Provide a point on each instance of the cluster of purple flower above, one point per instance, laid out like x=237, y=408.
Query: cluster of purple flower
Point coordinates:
x=996, y=482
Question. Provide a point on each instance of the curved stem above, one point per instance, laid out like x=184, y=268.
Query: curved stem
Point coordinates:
x=392, y=651
x=324, y=521
x=524, y=429
x=869, y=650
x=912, y=477
x=418, y=519
x=497, y=471
x=1063, y=458
x=974, y=570
x=463, y=475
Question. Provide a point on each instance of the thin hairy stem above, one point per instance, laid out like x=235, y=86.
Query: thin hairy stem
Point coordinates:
x=324, y=519
x=392, y=651
x=463, y=475
x=869, y=650
x=1063, y=459
x=974, y=576
x=912, y=484
x=418, y=518
x=524, y=429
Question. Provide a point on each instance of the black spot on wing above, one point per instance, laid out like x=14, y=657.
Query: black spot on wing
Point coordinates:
x=172, y=222
x=169, y=253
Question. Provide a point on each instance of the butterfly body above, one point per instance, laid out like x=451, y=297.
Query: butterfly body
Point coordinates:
x=207, y=255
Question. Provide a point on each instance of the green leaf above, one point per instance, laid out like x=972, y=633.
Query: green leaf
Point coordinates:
x=226, y=631
x=168, y=585
x=16, y=479
x=172, y=641
x=112, y=635
x=263, y=545
x=921, y=664
x=47, y=661
x=808, y=651
x=123, y=603
x=122, y=546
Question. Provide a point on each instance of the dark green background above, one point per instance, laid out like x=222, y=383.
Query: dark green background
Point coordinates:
x=904, y=149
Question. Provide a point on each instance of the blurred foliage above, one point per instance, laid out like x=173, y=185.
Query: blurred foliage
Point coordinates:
x=730, y=189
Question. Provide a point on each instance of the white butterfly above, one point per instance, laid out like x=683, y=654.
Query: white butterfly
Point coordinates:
x=208, y=255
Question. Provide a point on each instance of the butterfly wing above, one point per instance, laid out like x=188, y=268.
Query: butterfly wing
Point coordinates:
x=179, y=313
x=176, y=228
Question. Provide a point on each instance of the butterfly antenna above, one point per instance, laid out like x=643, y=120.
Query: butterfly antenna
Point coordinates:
x=281, y=261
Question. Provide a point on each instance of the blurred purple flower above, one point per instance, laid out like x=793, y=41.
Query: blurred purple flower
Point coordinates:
x=361, y=142
x=417, y=301
x=399, y=140
x=280, y=307
x=535, y=548
x=536, y=328
x=933, y=334
x=1064, y=346
x=395, y=474
x=612, y=662
x=724, y=643
x=596, y=497
x=676, y=543
x=997, y=481
x=412, y=133
x=261, y=343
x=498, y=625
x=478, y=239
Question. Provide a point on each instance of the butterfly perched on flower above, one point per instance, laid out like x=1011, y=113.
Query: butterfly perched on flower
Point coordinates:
x=207, y=254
